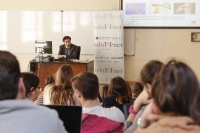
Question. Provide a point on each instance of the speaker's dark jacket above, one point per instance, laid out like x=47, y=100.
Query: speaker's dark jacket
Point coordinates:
x=73, y=50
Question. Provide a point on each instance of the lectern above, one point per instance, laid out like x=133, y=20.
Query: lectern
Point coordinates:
x=46, y=69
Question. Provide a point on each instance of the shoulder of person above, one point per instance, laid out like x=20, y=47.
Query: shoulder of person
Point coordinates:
x=73, y=45
x=63, y=45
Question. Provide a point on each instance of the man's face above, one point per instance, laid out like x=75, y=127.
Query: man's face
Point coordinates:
x=187, y=8
x=67, y=42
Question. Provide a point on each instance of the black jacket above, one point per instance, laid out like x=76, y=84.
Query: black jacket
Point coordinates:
x=73, y=50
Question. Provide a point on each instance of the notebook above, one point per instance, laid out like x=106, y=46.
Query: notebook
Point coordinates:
x=70, y=115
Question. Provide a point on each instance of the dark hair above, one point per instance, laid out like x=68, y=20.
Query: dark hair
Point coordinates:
x=104, y=92
x=9, y=75
x=88, y=84
x=121, y=89
x=66, y=37
x=137, y=89
x=149, y=70
x=30, y=80
x=50, y=80
x=176, y=89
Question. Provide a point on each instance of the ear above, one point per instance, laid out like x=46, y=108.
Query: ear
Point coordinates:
x=78, y=93
x=21, y=89
x=32, y=91
x=149, y=88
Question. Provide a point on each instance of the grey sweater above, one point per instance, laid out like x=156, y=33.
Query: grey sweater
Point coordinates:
x=23, y=116
x=131, y=128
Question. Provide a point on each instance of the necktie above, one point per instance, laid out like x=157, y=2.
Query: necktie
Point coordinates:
x=68, y=51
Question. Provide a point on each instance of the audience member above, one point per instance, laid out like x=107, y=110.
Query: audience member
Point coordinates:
x=17, y=114
x=61, y=93
x=147, y=74
x=119, y=93
x=104, y=92
x=175, y=105
x=31, y=82
x=136, y=90
x=86, y=86
x=49, y=80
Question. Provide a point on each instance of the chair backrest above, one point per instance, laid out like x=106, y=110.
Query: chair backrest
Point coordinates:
x=126, y=108
x=78, y=52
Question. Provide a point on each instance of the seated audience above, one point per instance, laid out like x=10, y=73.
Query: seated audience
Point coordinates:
x=49, y=80
x=17, y=114
x=136, y=90
x=175, y=105
x=61, y=93
x=119, y=93
x=147, y=74
x=86, y=86
x=31, y=83
x=104, y=92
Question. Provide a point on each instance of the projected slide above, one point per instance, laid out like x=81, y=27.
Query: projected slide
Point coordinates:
x=163, y=13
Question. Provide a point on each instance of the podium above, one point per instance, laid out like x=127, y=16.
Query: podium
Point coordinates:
x=46, y=69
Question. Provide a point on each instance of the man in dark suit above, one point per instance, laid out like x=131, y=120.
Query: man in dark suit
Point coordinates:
x=67, y=48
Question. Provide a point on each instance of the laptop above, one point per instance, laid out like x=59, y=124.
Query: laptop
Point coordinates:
x=70, y=115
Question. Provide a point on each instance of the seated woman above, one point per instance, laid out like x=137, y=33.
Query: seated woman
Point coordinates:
x=104, y=92
x=147, y=74
x=175, y=105
x=31, y=83
x=61, y=93
x=119, y=93
x=136, y=90
x=49, y=80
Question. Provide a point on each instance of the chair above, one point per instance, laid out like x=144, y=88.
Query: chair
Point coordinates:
x=78, y=48
x=126, y=108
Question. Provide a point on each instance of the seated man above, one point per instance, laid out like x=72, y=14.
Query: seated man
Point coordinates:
x=17, y=114
x=86, y=87
x=67, y=48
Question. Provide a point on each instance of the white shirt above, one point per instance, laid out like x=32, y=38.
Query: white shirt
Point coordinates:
x=112, y=113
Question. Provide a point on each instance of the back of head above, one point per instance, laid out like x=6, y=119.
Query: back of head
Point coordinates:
x=62, y=96
x=136, y=89
x=149, y=70
x=30, y=80
x=88, y=84
x=64, y=75
x=50, y=80
x=176, y=89
x=9, y=75
x=120, y=88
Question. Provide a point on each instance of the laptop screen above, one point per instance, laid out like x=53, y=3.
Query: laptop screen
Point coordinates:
x=70, y=115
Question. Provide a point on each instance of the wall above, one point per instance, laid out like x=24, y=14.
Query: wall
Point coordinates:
x=165, y=44
x=160, y=44
x=56, y=5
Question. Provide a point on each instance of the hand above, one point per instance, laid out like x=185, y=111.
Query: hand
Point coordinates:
x=72, y=59
x=142, y=99
x=151, y=113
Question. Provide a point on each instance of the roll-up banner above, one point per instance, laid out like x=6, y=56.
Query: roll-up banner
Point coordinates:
x=108, y=45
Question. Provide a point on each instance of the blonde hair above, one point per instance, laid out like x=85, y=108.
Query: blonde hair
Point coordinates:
x=62, y=92
x=61, y=96
x=64, y=75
